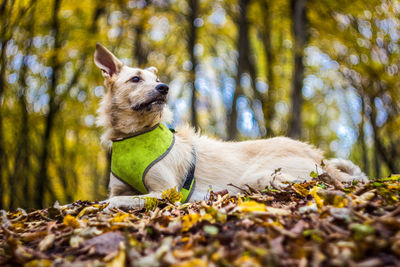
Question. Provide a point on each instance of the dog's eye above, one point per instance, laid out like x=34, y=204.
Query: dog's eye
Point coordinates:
x=135, y=79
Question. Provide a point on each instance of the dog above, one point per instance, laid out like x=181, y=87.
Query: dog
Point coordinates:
x=135, y=104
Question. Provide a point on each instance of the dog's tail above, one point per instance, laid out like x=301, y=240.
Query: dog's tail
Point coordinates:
x=348, y=170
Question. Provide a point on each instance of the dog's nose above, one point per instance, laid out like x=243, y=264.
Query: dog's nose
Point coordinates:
x=162, y=88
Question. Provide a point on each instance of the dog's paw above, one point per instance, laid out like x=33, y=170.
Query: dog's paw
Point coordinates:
x=115, y=204
x=123, y=202
x=280, y=181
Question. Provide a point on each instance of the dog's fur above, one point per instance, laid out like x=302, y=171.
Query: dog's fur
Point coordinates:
x=129, y=107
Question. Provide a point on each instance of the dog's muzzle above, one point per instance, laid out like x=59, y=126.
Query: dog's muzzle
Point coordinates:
x=162, y=88
x=157, y=98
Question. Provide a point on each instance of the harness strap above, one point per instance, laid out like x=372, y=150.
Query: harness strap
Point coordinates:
x=189, y=182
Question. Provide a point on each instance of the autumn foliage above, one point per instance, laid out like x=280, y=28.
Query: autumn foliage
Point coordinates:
x=316, y=223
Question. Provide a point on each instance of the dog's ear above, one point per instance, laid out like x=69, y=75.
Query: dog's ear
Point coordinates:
x=106, y=61
x=152, y=69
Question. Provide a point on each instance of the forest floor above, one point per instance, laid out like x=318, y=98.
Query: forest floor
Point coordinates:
x=317, y=223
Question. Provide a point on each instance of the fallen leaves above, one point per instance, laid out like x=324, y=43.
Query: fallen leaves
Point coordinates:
x=71, y=221
x=171, y=195
x=191, y=219
x=251, y=206
x=315, y=223
x=47, y=242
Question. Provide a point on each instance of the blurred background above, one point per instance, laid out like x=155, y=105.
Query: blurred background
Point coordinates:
x=325, y=72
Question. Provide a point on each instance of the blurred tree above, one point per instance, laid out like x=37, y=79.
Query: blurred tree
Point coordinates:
x=22, y=138
x=366, y=47
x=270, y=98
x=300, y=35
x=193, y=20
x=4, y=39
x=242, y=64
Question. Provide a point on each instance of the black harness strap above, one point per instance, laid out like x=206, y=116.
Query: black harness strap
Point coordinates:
x=187, y=182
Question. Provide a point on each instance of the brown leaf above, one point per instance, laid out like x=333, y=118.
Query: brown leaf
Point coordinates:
x=105, y=243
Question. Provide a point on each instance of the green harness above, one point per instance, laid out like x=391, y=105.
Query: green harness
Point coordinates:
x=132, y=157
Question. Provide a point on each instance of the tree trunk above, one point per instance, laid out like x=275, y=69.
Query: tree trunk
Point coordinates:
x=2, y=151
x=138, y=50
x=42, y=179
x=62, y=168
x=364, y=149
x=20, y=176
x=21, y=161
x=377, y=161
x=380, y=148
x=269, y=103
x=3, y=44
x=242, y=65
x=192, y=38
x=299, y=34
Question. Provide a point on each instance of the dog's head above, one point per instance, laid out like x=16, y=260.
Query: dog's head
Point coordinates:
x=135, y=98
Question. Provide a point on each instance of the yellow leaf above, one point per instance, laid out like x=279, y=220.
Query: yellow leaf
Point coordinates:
x=340, y=202
x=192, y=263
x=301, y=190
x=88, y=210
x=100, y=206
x=318, y=200
x=171, y=195
x=18, y=225
x=191, y=219
x=185, y=239
x=251, y=206
x=37, y=263
x=119, y=217
x=151, y=203
x=71, y=221
x=120, y=259
x=246, y=260
x=395, y=176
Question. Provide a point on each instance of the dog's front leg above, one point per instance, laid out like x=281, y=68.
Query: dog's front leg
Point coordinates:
x=130, y=202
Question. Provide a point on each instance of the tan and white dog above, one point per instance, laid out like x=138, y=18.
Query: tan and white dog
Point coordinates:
x=134, y=102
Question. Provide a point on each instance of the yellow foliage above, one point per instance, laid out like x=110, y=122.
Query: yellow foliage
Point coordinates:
x=151, y=203
x=251, y=206
x=301, y=190
x=171, y=195
x=191, y=219
x=71, y=221
x=246, y=260
x=340, y=202
x=318, y=200
x=120, y=217
x=39, y=263
x=185, y=239
x=92, y=209
x=18, y=225
x=192, y=263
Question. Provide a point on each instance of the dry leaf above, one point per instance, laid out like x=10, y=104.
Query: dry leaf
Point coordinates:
x=71, y=221
x=47, y=242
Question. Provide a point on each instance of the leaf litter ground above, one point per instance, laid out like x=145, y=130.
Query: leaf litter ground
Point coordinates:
x=315, y=223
